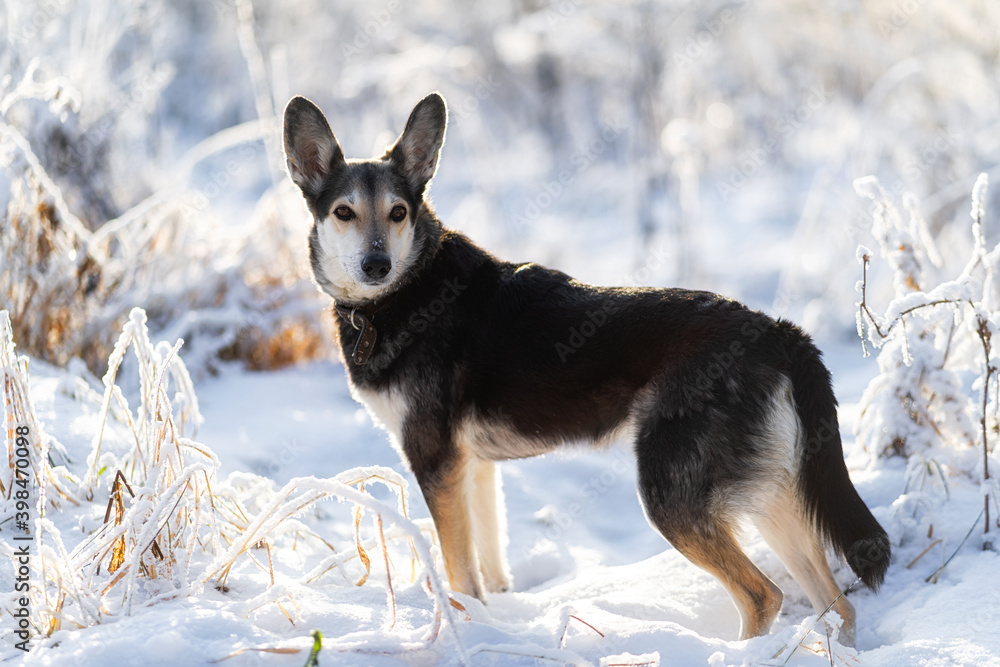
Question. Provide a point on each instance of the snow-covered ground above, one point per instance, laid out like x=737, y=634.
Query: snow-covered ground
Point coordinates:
x=592, y=580
x=711, y=145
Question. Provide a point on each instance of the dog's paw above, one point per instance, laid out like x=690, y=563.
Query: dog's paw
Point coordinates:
x=498, y=584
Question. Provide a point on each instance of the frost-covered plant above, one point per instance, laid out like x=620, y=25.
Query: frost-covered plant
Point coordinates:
x=28, y=450
x=772, y=93
x=937, y=365
x=68, y=288
x=171, y=527
x=93, y=223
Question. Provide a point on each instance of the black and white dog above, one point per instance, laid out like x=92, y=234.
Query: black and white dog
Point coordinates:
x=464, y=359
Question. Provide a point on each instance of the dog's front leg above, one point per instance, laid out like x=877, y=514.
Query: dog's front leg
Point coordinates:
x=445, y=488
x=489, y=524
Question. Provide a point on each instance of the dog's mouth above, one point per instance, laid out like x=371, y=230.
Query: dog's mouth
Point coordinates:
x=379, y=285
x=376, y=279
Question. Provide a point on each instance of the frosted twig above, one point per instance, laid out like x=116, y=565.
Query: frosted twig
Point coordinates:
x=818, y=619
x=67, y=216
x=938, y=571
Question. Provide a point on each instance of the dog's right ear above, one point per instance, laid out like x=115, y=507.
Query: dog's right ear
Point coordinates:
x=311, y=150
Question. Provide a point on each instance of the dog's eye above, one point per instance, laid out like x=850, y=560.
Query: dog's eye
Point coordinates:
x=343, y=213
x=397, y=214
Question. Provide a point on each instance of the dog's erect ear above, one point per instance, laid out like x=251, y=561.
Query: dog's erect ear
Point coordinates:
x=417, y=150
x=311, y=150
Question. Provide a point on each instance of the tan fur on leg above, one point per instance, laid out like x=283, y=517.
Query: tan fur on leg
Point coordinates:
x=757, y=598
x=449, y=506
x=796, y=543
x=489, y=525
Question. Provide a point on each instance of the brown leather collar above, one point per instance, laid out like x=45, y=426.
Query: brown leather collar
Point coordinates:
x=366, y=340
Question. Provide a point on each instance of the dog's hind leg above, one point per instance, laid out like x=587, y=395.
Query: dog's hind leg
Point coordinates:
x=790, y=535
x=489, y=525
x=712, y=547
x=681, y=491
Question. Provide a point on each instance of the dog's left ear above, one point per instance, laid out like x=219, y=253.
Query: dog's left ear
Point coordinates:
x=417, y=150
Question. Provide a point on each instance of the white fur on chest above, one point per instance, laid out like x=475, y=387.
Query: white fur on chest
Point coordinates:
x=387, y=408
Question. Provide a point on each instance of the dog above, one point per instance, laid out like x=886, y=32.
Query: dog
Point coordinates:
x=467, y=360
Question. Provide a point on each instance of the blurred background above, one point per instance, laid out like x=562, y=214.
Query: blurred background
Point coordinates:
x=701, y=144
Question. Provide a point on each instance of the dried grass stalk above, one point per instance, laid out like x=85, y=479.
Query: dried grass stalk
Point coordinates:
x=168, y=521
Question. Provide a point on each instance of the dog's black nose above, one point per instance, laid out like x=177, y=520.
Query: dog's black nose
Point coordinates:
x=376, y=264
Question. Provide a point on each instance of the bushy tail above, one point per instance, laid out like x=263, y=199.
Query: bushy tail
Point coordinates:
x=829, y=497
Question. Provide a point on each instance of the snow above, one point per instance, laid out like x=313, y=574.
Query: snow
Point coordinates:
x=583, y=557
x=707, y=145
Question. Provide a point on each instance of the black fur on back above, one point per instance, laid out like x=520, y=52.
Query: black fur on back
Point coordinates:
x=469, y=334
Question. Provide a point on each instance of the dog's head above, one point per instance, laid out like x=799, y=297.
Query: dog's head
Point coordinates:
x=370, y=217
